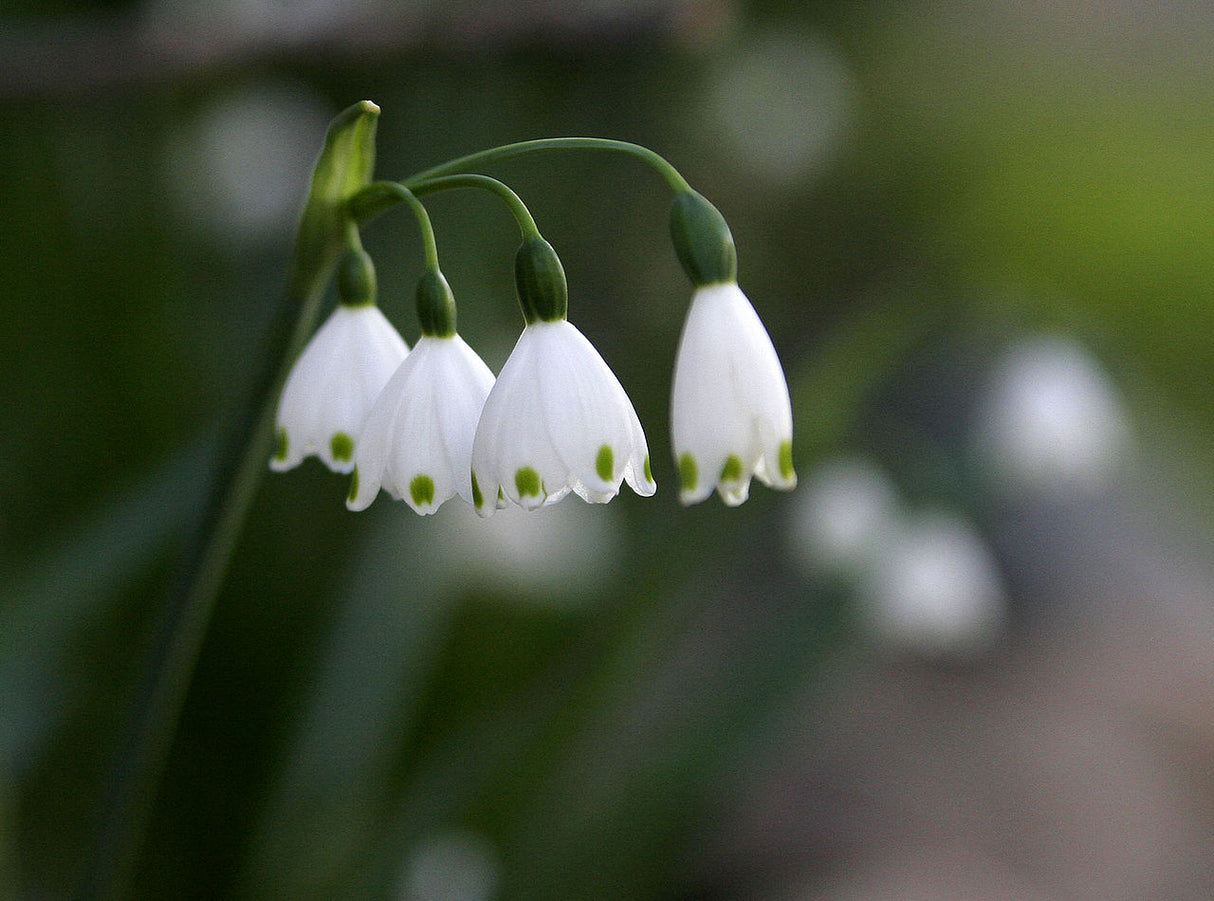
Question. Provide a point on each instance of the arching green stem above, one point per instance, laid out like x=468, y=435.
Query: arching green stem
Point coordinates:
x=522, y=215
x=476, y=161
x=378, y=196
x=539, y=277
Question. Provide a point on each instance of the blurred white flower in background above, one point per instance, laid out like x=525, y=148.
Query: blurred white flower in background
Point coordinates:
x=782, y=107
x=935, y=588
x=923, y=581
x=451, y=866
x=238, y=170
x=1051, y=419
x=843, y=516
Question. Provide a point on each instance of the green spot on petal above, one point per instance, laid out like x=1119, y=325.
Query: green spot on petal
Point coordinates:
x=527, y=481
x=648, y=471
x=353, y=486
x=421, y=489
x=281, y=445
x=732, y=470
x=341, y=446
x=604, y=463
x=477, y=498
x=689, y=473
x=785, y=459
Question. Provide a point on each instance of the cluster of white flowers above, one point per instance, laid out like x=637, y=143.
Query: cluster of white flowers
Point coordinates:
x=431, y=423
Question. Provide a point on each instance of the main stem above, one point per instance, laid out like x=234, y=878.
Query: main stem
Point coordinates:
x=476, y=160
x=238, y=470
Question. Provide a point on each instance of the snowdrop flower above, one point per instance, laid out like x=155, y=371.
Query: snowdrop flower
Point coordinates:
x=417, y=440
x=338, y=376
x=730, y=413
x=557, y=419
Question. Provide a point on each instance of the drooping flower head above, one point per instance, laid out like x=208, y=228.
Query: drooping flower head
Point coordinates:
x=417, y=440
x=730, y=413
x=338, y=376
x=557, y=419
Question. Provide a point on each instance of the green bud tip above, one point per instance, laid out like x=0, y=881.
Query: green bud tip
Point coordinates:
x=732, y=470
x=702, y=240
x=528, y=483
x=341, y=446
x=785, y=460
x=421, y=489
x=689, y=473
x=604, y=463
x=343, y=168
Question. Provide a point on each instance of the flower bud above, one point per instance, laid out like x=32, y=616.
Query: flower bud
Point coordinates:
x=435, y=305
x=540, y=282
x=356, y=285
x=702, y=240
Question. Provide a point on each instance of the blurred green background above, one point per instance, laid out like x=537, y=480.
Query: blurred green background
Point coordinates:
x=969, y=657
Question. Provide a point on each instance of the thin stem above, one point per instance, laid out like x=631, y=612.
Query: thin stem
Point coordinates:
x=378, y=196
x=238, y=470
x=477, y=160
x=522, y=215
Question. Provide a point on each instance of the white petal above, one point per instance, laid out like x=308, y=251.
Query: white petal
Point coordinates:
x=334, y=383
x=730, y=411
x=417, y=442
x=375, y=440
x=637, y=472
x=587, y=411
x=511, y=438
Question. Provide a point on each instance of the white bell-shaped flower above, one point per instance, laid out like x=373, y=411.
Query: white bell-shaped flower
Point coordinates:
x=557, y=420
x=417, y=440
x=730, y=413
x=332, y=386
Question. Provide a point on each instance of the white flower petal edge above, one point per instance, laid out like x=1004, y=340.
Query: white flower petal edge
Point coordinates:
x=332, y=386
x=556, y=421
x=417, y=440
x=730, y=414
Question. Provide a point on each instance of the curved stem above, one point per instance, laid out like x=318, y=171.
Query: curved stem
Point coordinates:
x=522, y=215
x=477, y=160
x=376, y=197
